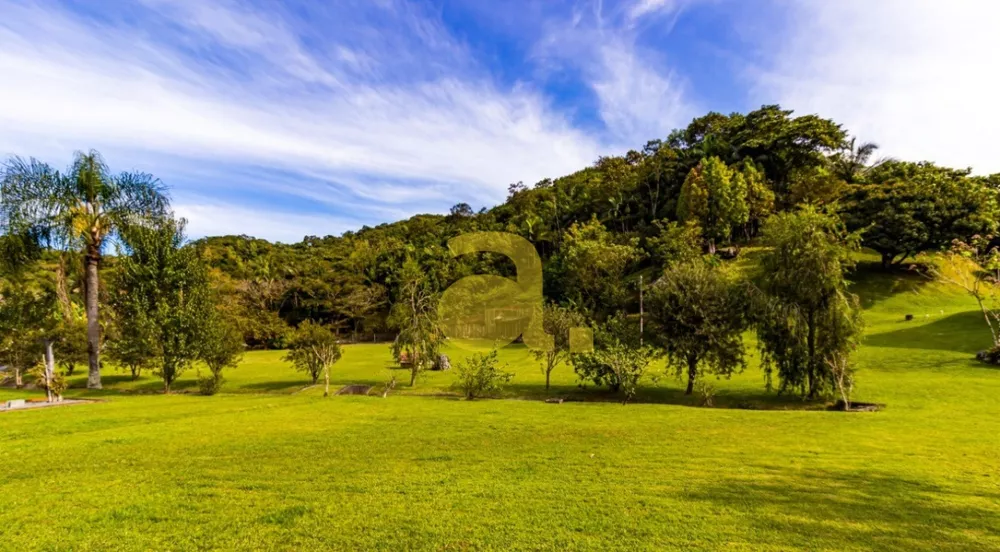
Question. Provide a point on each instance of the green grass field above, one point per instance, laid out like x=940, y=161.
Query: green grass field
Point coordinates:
x=263, y=466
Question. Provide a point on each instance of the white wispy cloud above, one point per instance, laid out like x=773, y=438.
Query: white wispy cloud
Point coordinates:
x=221, y=84
x=640, y=96
x=916, y=76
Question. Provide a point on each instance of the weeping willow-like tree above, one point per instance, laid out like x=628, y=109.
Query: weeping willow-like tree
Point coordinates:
x=808, y=321
x=81, y=210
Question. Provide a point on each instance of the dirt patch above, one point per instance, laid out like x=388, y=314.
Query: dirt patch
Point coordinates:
x=11, y=406
x=857, y=407
x=354, y=390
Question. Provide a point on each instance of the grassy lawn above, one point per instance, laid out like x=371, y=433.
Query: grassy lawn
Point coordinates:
x=263, y=466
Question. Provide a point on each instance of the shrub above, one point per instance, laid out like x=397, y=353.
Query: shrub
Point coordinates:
x=618, y=361
x=210, y=384
x=480, y=375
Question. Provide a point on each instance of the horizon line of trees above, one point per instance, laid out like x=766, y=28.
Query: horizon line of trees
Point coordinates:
x=693, y=197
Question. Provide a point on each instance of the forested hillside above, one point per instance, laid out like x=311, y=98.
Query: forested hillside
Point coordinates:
x=708, y=186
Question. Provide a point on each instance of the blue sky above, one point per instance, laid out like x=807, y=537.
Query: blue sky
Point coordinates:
x=311, y=118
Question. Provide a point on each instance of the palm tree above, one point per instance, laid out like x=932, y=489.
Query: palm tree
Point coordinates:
x=80, y=210
x=851, y=164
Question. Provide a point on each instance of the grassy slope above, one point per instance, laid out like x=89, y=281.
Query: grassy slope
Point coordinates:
x=258, y=468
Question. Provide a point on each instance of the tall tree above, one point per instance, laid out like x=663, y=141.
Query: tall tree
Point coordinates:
x=715, y=197
x=808, y=316
x=699, y=316
x=415, y=315
x=162, y=294
x=759, y=197
x=79, y=209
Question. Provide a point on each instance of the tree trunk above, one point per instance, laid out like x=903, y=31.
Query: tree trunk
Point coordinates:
x=93, y=325
x=692, y=374
x=50, y=369
x=18, y=379
x=888, y=259
x=811, y=368
x=548, y=373
x=326, y=380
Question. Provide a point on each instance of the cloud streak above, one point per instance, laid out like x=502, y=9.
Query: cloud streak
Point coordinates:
x=916, y=76
x=221, y=85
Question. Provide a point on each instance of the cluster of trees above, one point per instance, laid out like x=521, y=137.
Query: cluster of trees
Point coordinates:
x=155, y=306
x=796, y=183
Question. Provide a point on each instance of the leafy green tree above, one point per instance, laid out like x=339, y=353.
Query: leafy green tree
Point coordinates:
x=314, y=349
x=481, y=375
x=759, y=197
x=908, y=208
x=618, y=360
x=26, y=326
x=675, y=243
x=714, y=197
x=782, y=144
x=81, y=209
x=815, y=185
x=162, y=297
x=699, y=316
x=30, y=321
x=415, y=316
x=128, y=344
x=596, y=262
x=808, y=316
x=221, y=347
x=557, y=321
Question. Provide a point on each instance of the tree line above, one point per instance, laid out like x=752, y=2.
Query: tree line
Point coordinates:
x=670, y=214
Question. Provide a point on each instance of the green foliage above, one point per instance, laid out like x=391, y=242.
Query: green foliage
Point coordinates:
x=699, y=316
x=973, y=267
x=909, y=208
x=221, y=347
x=557, y=321
x=162, y=299
x=715, y=197
x=596, y=262
x=674, y=243
x=618, y=360
x=415, y=316
x=313, y=349
x=807, y=317
x=480, y=375
x=29, y=318
x=79, y=210
x=759, y=197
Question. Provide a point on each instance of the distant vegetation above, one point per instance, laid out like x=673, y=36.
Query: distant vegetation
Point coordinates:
x=671, y=214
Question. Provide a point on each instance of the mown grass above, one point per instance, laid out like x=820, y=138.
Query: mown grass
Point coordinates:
x=264, y=467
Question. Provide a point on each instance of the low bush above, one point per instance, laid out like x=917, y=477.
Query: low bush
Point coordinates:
x=480, y=375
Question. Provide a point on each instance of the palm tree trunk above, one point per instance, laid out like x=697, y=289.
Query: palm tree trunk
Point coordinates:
x=93, y=326
x=50, y=369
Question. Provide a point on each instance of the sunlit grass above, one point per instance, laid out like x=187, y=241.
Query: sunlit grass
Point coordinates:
x=264, y=466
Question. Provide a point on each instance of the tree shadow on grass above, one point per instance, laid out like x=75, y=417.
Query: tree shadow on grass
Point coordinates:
x=874, y=284
x=965, y=332
x=818, y=509
x=740, y=399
